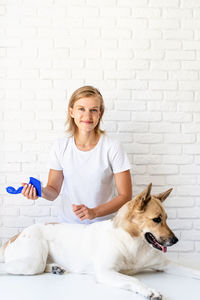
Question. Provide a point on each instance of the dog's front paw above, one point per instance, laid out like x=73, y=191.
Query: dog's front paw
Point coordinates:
x=154, y=295
x=57, y=270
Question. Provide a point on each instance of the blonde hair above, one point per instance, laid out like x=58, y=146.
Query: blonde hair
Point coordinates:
x=84, y=92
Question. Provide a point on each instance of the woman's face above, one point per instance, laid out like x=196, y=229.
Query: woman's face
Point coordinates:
x=86, y=113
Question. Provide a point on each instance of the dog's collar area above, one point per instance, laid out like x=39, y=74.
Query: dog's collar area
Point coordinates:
x=152, y=240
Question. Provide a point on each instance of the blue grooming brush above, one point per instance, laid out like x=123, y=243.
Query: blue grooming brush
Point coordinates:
x=35, y=182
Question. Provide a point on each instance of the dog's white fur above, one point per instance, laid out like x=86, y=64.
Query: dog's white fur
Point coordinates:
x=105, y=249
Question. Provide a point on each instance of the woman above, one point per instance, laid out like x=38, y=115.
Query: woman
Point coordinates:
x=86, y=162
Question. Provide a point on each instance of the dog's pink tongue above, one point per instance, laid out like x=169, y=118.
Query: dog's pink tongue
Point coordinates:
x=164, y=249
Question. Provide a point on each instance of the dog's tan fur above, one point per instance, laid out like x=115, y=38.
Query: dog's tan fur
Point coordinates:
x=11, y=240
x=137, y=215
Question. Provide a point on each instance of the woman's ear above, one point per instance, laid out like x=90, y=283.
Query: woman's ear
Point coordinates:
x=71, y=112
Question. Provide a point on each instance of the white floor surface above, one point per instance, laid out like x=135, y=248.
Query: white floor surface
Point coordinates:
x=75, y=287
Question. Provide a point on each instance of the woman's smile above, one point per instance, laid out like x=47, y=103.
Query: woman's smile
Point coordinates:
x=87, y=122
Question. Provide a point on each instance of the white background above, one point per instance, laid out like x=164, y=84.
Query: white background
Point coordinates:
x=144, y=56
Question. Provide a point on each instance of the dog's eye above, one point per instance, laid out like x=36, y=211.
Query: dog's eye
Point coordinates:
x=157, y=220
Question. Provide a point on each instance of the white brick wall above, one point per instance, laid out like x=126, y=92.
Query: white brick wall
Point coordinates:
x=144, y=56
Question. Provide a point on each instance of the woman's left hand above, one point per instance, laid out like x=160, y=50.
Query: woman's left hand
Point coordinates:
x=83, y=212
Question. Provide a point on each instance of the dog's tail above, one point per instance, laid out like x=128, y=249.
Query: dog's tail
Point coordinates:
x=2, y=250
x=2, y=261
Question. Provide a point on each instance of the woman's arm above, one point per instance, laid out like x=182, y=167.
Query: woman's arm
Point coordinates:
x=52, y=189
x=124, y=189
x=54, y=184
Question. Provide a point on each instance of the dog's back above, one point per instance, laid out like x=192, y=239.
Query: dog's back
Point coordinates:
x=73, y=246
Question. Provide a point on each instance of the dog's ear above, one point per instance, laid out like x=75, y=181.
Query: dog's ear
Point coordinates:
x=144, y=198
x=146, y=194
x=163, y=196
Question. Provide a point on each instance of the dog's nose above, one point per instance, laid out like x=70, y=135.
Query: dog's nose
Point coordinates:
x=174, y=240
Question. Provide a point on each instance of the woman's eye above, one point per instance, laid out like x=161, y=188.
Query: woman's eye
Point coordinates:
x=157, y=220
x=81, y=108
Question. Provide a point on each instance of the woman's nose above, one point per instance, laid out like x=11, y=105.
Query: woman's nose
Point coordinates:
x=88, y=113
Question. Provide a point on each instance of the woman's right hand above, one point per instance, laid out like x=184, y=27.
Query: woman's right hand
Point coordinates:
x=29, y=191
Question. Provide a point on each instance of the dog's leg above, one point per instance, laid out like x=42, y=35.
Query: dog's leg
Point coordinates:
x=119, y=280
x=3, y=268
x=177, y=269
x=55, y=269
x=26, y=256
x=24, y=266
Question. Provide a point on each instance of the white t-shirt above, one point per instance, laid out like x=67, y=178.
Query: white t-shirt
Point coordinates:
x=88, y=175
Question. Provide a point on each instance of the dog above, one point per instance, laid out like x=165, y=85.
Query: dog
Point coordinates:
x=113, y=250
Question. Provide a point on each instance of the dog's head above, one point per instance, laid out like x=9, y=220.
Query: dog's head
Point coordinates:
x=145, y=216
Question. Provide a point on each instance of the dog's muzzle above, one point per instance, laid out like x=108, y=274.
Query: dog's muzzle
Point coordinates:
x=173, y=240
x=162, y=246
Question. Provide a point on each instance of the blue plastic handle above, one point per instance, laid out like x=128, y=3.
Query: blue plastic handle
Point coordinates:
x=35, y=182
x=12, y=190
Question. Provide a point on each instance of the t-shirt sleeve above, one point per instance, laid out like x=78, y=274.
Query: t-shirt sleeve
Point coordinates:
x=118, y=158
x=54, y=161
